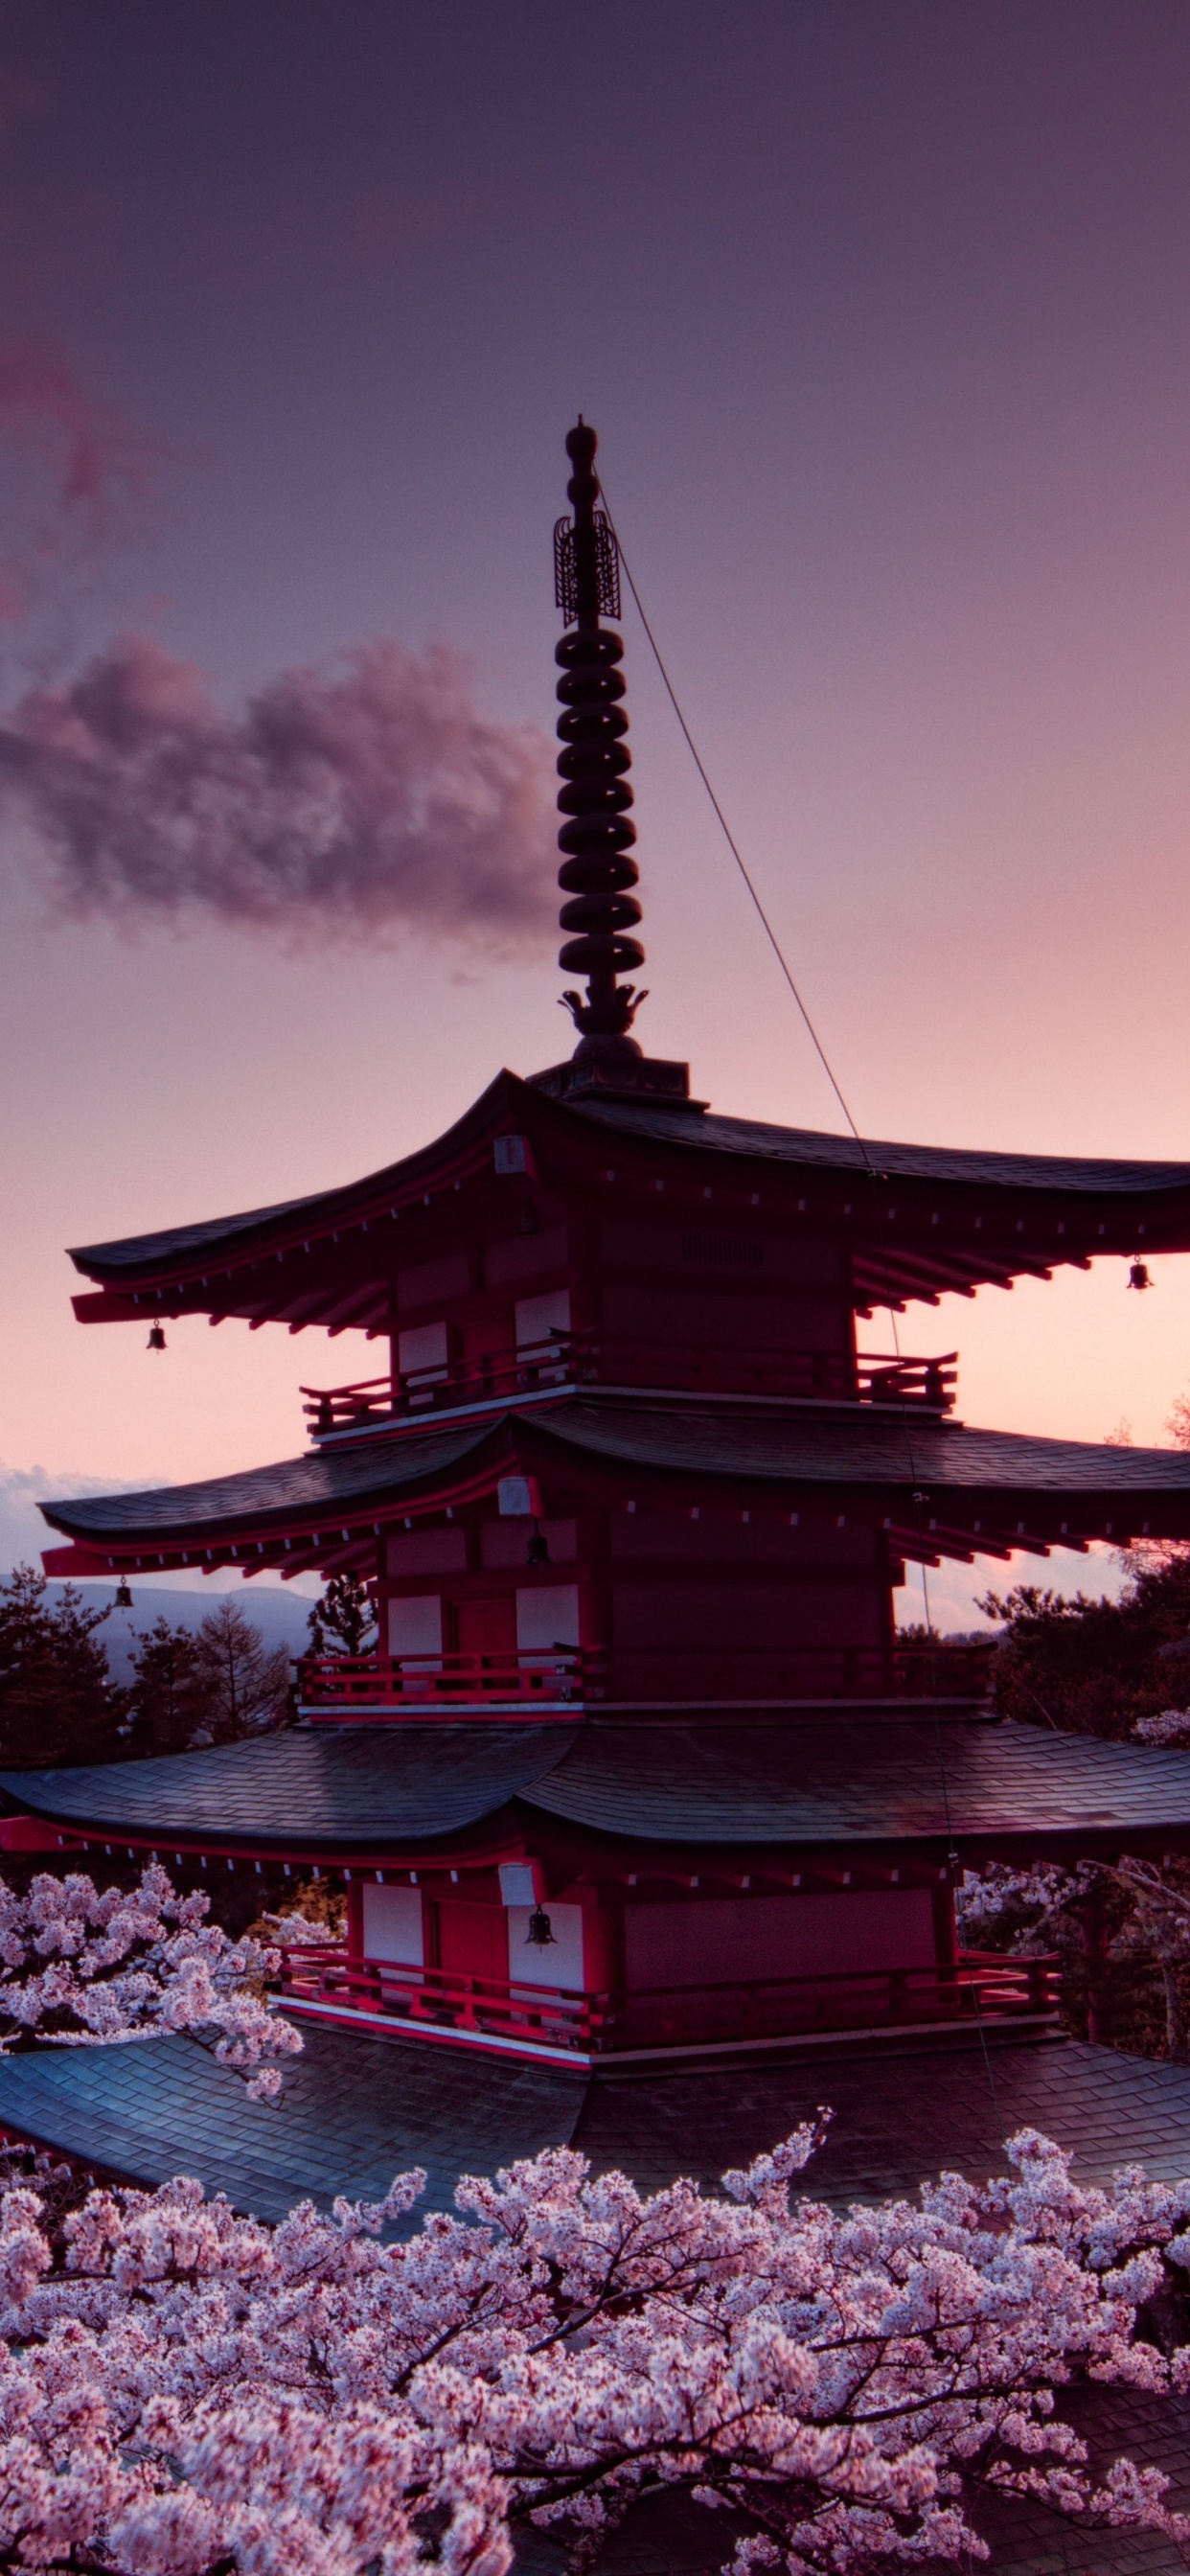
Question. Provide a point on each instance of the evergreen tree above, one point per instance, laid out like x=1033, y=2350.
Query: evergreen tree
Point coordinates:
x=344, y=1621
x=246, y=1684
x=1092, y=1667
x=58, y=1702
x=171, y=1693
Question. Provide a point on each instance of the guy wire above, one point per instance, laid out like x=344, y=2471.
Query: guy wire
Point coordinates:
x=874, y=1183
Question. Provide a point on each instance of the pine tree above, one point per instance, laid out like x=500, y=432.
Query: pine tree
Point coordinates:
x=246, y=1684
x=172, y=1692
x=58, y=1702
x=343, y=1622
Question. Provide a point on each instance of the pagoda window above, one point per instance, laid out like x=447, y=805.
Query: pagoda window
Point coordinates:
x=415, y=1624
x=392, y=1924
x=541, y=1322
x=422, y=1359
x=726, y=1940
x=547, y=1615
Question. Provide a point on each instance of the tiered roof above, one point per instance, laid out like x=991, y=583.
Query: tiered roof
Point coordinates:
x=923, y=1221
x=880, y=1785
x=940, y=1488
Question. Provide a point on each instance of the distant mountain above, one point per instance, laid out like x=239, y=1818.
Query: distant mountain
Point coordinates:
x=280, y=1616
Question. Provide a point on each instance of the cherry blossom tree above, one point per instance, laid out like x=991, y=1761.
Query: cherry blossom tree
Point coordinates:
x=184, y=2392
x=1097, y=1915
x=82, y=1967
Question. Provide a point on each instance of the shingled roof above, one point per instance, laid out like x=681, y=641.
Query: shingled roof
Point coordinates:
x=879, y=1460
x=730, y=1782
x=1150, y=1198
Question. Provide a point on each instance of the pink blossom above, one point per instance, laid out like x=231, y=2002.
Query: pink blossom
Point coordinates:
x=182, y=2389
x=85, y=1968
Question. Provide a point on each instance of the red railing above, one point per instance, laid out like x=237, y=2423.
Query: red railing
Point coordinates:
x=982, y=1986
x=341, y=1683
x=379, y=1685
x=826, y=1376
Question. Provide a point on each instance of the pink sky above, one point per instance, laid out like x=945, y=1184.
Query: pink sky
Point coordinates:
x=881, y=317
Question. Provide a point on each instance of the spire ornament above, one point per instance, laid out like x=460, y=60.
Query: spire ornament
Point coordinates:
x=596, y=836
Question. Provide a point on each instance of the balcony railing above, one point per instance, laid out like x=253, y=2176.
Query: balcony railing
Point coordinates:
x=350, y=1685
x=826, y=1377
x=363, y=1686
x=981, y=1987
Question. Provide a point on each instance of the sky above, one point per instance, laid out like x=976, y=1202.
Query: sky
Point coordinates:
x=881, y=315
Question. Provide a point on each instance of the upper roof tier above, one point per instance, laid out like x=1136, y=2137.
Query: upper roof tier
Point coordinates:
x=916, y=1220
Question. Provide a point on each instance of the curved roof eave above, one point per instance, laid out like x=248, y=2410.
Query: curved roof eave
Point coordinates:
x=330, y=1786
x=853, y=1449
x=178, y=1251
x=693, y=1782
x=294, y=1491
x=128, y=1257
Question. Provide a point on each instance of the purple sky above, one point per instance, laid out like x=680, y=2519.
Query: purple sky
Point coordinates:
x=881, y=313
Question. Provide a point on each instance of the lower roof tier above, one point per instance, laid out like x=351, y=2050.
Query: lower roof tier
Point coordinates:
x=478, y=1791
x=357, y=2109
x=938, y=1488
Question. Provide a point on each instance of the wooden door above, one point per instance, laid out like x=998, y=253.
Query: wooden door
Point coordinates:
x=472, y=1939
x=487, y=1626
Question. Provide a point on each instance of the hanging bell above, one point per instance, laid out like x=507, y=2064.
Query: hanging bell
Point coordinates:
x=540, y=1935
x=1138, y=1276
x=156, y=1340
x=123, y=1599
x=537, y=1552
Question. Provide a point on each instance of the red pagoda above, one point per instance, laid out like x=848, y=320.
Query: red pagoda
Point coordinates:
x=640, y=1775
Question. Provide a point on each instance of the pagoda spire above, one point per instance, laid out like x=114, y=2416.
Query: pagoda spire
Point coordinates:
x=596, y=835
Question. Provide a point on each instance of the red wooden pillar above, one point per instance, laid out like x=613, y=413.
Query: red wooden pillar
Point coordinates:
x=946, y=1930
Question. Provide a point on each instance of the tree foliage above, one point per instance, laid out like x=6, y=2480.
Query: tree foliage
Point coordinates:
x=1121, y=1930
x=58, y=1701
x=83, y=1967
x=169, y=1694
x=343, y=1622
x=207, y=1685
x=1095, y=1667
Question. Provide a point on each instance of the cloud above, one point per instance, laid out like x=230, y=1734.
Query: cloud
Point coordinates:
x=73, y=471
x=350, y=802
x=23, y=1533
x=91, y=453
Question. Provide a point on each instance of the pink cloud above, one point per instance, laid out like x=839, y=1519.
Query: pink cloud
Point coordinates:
x=91, y=453
x=73, y=469
x=349, y=803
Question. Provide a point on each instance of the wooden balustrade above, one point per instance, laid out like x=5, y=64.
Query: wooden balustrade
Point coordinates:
x=569, y=1360
x=980, y=1987
x=366, y=1686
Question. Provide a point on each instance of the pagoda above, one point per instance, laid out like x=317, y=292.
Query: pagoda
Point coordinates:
x=640, y=1774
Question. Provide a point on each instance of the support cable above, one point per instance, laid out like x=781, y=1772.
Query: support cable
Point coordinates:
x=873, y=1179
